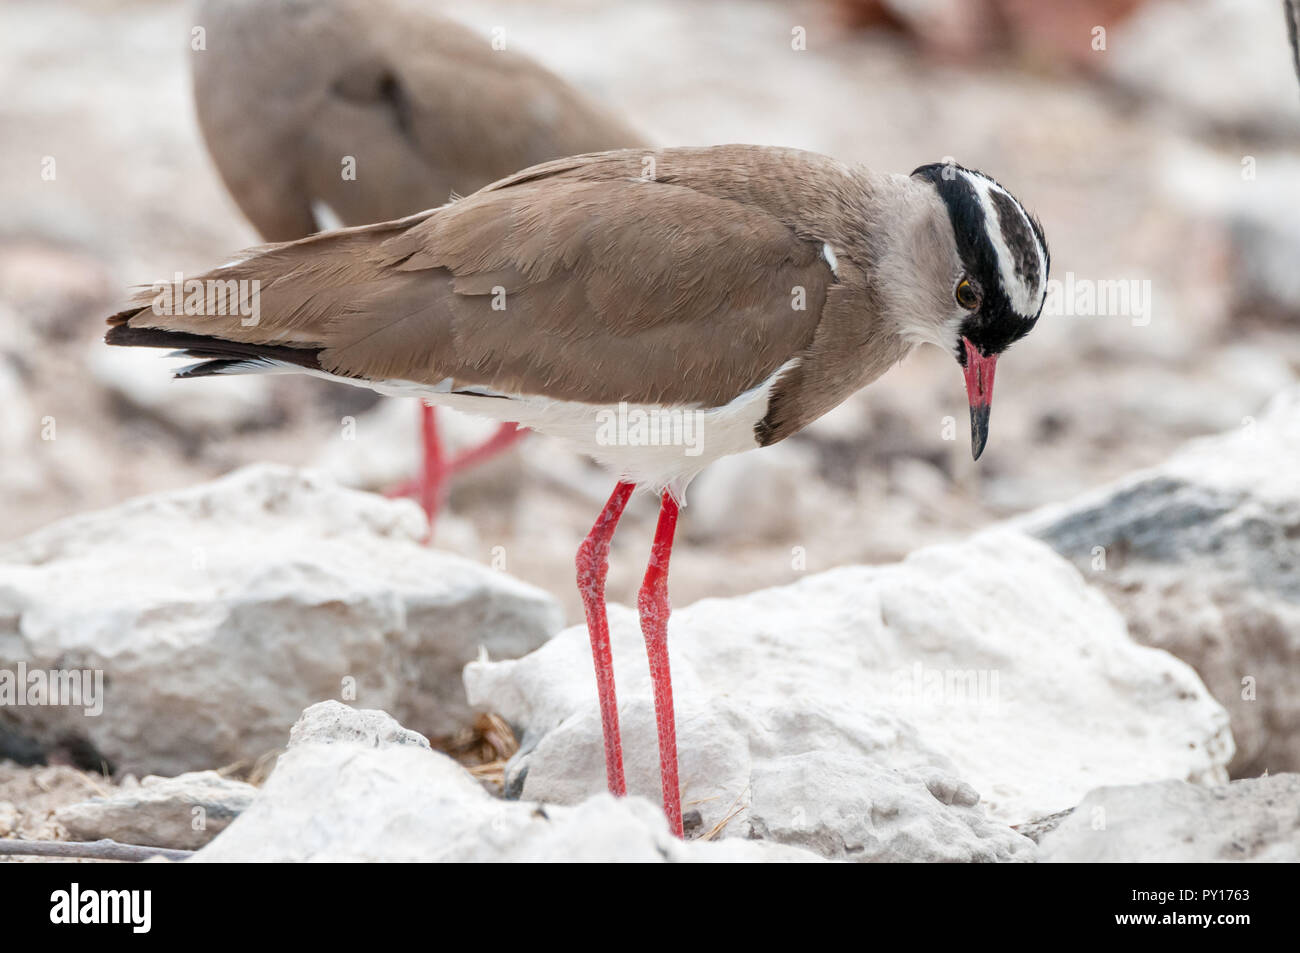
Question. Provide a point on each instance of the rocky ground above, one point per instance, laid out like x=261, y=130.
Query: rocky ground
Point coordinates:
x=969, y=703
x=838, y=713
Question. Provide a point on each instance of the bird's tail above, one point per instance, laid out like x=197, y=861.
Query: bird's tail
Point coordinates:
x=214, y=355
x=274, y=309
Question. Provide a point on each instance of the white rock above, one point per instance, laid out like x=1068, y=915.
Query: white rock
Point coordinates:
x=753, y=498
x=1180, y=823
x=1189, y=55
x=813, y=707
x=184, y=812
x=17, y=420
x=1202, y=554
x=348, y=801
x=10, y=817
x=330, y=721
x=1251, y=203
x=218, y=612
x=19, y=423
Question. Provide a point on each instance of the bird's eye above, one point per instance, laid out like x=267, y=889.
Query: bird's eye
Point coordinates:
x=966, y=295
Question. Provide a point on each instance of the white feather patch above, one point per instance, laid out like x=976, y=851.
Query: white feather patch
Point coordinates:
x=717, y=431
x=829, y=254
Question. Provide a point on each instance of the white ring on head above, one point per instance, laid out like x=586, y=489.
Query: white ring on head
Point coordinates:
x=1027, y=301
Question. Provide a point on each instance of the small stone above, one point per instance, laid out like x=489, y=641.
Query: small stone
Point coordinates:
x=9, y=818
x=184, y=812
x=330, y=721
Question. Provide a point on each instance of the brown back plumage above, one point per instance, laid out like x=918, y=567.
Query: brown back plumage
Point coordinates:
x=581, y=280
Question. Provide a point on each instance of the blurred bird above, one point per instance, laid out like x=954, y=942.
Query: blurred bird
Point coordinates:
x=740, y=291
x=1291, y=10
x=1050, y=35
x=324, y=113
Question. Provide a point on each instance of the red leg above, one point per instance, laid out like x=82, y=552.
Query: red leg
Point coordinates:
x=506, y=436
x=434, y=472
x=593, y=565
x=430, y=485
x=655, y=609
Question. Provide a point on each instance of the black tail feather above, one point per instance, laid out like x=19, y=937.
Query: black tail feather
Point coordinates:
x=216, y=350
x=212, y=368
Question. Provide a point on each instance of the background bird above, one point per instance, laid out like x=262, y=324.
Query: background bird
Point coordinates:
x=1291, y=10
x=327, y=113
x=752, y=288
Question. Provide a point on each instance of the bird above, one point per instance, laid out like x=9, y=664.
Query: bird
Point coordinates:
x=321, y=113
x=1291, y=11
x=741, y=291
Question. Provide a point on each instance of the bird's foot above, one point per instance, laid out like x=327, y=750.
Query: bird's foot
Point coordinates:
x=429, y=487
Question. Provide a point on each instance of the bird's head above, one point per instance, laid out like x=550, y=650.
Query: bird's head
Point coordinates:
x=994, y=272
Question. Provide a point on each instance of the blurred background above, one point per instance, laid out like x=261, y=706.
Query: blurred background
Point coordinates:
x=1156, y=141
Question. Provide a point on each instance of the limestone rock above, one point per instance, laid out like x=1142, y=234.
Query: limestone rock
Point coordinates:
x=216, y=613
x=334, y=799
x=1202, y=555
x=863, y=712
x=184, y=812
x=1180, y=823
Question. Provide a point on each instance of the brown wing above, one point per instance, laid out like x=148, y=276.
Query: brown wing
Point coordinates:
x=595, y=291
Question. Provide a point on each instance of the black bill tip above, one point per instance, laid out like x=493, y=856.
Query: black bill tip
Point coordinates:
x=979, y=428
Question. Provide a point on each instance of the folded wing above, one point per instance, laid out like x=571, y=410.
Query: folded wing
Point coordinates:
x=556, y=282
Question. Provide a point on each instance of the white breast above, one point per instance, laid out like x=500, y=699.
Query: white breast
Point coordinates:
x=660, y=448
x=655, y=447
